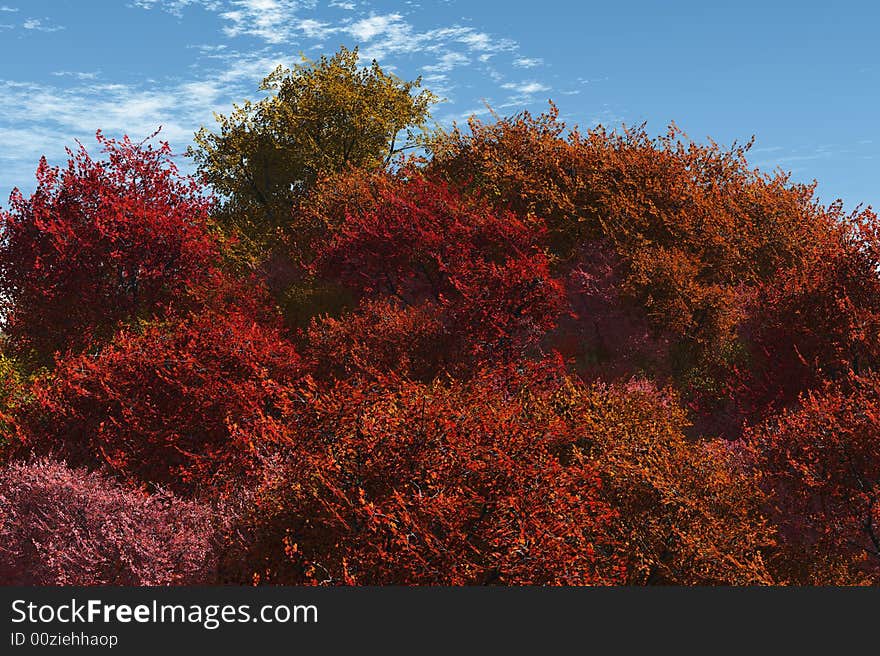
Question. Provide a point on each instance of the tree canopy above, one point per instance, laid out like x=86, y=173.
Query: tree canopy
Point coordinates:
x=319, y=118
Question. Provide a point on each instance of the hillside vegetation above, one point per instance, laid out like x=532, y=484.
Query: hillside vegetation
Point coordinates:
x=356, y=350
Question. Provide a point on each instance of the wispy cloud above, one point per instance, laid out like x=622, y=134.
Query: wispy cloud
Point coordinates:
x=766, y=149
x=379, y=35
x=42, y=119
x=207, y=48
x=368, y=29
x=527, y=62
x=314, y=29
x=176, y=7
x=269, y=20
x=447, y=62
x=37, y=25
x=252, y=38
x=468, y=113
x=526, y=88
x=79, y=75
x=777, y=157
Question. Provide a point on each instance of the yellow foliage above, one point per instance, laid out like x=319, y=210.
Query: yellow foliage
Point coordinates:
x=320, y=118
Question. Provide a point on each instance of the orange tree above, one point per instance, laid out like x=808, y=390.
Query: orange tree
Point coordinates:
x=690, y=231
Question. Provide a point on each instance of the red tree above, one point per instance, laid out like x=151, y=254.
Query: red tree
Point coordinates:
x=480, y=276
x=821, y=466
x=690, y=231
x=395, y=482
x=380, y=336
x=519, y=475
x=814, y=321
x=190, y=403
x=414, y=428
x=99, y=242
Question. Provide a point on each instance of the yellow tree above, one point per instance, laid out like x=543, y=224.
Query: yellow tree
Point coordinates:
x=320, y=118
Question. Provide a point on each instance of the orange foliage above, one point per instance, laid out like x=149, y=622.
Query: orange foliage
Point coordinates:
x=688, y=513
x=514, y=477
x=693, y=226
x=815, y=320
x=401, y=482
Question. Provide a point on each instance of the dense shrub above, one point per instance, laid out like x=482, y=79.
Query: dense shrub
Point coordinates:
x=820, y=465
x=62, y=526
x=537, y=356
x=513, y=477
x=190, y=404
x=481, y=279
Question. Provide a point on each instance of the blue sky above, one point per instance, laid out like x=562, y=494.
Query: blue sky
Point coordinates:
x=803, y=77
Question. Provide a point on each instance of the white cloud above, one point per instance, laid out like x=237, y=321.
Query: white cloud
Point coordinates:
x=36, y=24
x=205, y=92
x=313, y=29
x=479, y=111
x=527, y=62
x=9, y=9
x=525, y=88
x=176, y=7
x=245, y=71
x=281, y=22
x=253, y=38
x=437, y=82
x=273, y=21
x=447, y=62
x=476, y=40
x=369, y=28
x=206, y=48
x=43, y=118
x=79, y=75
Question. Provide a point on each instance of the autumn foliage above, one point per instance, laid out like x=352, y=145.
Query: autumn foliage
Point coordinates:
x=532, y=355
x=188, y=404
x=62, y=526
x=482, y=278
x=820, y=466
x=464, y=483
x=99, y=242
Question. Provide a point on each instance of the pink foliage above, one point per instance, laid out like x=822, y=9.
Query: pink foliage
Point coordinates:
x=62, y=526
